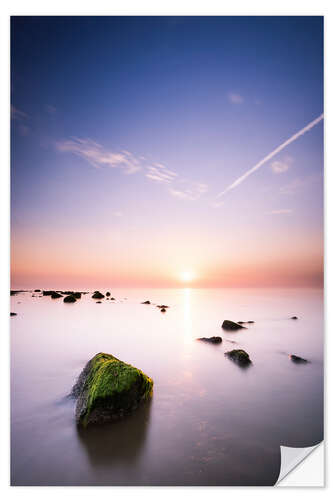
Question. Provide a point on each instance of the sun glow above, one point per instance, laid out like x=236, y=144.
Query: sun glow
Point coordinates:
x=187, y=276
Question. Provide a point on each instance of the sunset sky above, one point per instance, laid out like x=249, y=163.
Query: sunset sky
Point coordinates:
x=128, y=135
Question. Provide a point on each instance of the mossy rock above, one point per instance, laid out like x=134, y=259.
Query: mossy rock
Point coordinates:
x=69, y=298
x=231, y=325
x=108, y=389
x=97, y=295
x=239, y=356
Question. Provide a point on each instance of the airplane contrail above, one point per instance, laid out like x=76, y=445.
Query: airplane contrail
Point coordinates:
x=272, y=154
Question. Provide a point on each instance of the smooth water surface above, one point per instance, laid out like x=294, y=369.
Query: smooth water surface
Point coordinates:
x=210, y=422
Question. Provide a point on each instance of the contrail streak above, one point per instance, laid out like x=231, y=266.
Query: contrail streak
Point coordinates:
x=272, y=154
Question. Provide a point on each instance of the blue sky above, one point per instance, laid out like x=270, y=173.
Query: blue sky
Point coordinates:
x=125, y=129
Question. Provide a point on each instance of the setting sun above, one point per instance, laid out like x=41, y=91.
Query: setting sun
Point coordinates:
x=187, y=276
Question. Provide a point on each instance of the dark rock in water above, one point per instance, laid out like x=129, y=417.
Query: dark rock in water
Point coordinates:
x=108, y=389
x=55, y=295
x=15, y=292
x=146, y=302
x=231, y=325
x=163, y=310
x=69, y=298
x=108, y=294
x=294, y=317
x=67, y=293
x=250, y=321
x=98, y=302
x=240, y=322
x=48, y=292
x=77, y=295
x=37, y=290
x=13, y=314
x=239, y=356
x=212, y=340
x=297, y=359
x=112, y=298
x=163, y=306
x=97, y=295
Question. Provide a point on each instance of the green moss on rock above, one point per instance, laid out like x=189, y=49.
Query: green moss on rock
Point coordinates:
x=108, y=389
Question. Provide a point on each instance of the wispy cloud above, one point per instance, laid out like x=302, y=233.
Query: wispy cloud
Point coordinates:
x=235, y=98
x=17, y=114
x=191, y=192
x=98, y=156
x=50, y=109
x=117, y=213
x=268, y=157
x=278, y=167
x=281, y=211
x=160, y=173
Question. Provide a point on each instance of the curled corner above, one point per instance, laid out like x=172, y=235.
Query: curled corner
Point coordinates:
x=291, y=457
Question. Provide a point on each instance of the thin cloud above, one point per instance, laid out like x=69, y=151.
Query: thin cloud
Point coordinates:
x=193, y=192
x=281, y=211
x=279, y=167
x=98, y=156
x=117, y=213
x=235, y=98
x=160, y=173
x=268, y=157
x=17, y=114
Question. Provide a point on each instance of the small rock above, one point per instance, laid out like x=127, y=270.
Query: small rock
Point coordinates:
x=112, y=298
x=250, y=321
x=231, y=325
x=48, y=292
x=67, y=293
x=163, y=306
x=77, y=295
x=37, y=290
x=108, y=294
x=97, y=295
x=297, y=359
x=163, y=310
x=212, y=340
x=55, y=295
x=69, y=298
x=13, y=314
x=239, y=356
x=98, y=302
x=146, y=302
x=294, y=317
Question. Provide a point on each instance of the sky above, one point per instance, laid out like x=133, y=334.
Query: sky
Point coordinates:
x=145, y=152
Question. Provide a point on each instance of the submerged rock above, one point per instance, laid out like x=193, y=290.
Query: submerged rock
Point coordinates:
x=297, y=359
x=69, y=298
x=55, y=295
x=146, y=302
x=97, y=295
x=108, y=389
x=212, y=340
x=294, y=317
x=13, y=314
x=239, y=356
x=231, y=325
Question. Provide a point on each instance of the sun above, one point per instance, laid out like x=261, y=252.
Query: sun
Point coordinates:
x=187, y=276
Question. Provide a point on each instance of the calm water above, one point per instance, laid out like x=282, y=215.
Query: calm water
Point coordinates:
x=210, y=422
